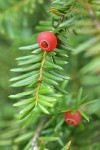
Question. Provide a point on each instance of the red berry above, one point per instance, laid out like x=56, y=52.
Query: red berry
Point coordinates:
x=47, y=41
x=72, y=119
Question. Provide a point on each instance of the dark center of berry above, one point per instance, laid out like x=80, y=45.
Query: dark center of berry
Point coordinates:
x=71, y=122
x=44, y=44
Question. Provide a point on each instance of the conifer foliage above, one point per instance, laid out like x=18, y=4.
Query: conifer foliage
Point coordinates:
x=41, y=72
x=53, y=81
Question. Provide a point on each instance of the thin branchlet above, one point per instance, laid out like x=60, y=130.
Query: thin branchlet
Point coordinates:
x=40, y=77
x=37, y=134
x=96, y=21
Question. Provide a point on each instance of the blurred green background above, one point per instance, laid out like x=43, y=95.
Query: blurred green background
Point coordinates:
x=18, y=21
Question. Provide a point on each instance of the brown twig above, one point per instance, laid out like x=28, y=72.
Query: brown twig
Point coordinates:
x=40, y=78
x=97, y=23
x=37, y=133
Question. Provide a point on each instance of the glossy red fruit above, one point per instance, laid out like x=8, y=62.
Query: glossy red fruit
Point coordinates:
x=72, y=119
x=47, y=41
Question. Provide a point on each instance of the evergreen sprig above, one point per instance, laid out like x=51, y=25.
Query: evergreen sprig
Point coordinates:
x=40, y=72
x=40, y=75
